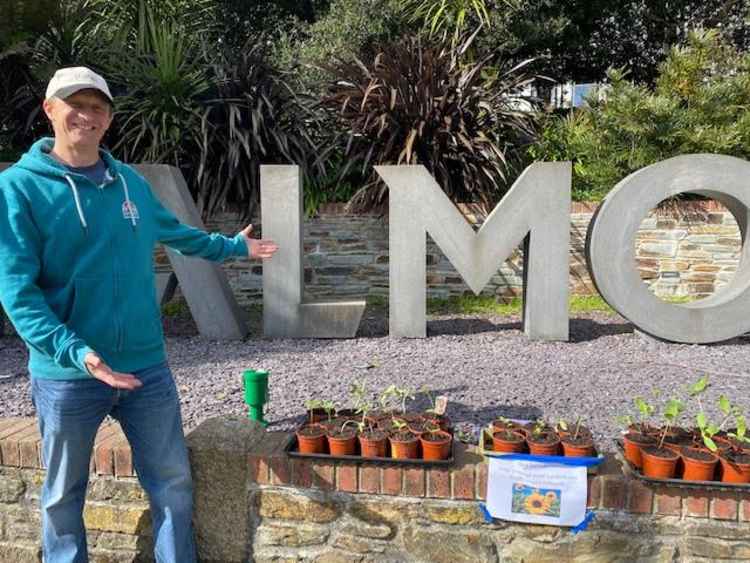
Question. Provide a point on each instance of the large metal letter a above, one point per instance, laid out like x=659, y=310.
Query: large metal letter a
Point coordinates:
x=535, y=211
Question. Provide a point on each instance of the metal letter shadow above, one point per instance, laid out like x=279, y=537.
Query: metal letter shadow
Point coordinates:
x=203, y=283
x=285, y=314
x=535, y=211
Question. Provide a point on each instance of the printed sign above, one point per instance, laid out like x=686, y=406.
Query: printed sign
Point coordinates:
x=536, y=492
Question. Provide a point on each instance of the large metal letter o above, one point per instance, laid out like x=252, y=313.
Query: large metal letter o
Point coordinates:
x=611, y=257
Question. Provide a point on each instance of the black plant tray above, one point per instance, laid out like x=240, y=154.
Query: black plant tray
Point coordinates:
x=293, y=451
x=703, y=485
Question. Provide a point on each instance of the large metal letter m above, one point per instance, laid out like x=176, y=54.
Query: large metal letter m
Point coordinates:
x=535, y=212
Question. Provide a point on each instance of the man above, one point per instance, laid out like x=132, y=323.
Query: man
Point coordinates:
x=77, y=233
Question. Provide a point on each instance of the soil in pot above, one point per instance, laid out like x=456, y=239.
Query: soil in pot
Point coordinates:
x=508, y=441
x=342, y=442
x=311, y=439
x=404, y=445
x=436, y=445
x=373, y=443
x=420, y=426
x=659, y=463
x=634, y=442
x=735, y=467
x=334, y=423
x=581, y=446
x=505, y=424
x=544, y=443
x=700, y=465
x=441, y=420
x=583, y=431
x=388, y=425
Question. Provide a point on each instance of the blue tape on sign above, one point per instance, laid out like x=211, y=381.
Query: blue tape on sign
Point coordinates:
x=572, y=461
x=485, y=513
x=585, y=524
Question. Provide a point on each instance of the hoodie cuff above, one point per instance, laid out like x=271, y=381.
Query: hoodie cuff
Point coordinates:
x=80, y=355
x=239, y=247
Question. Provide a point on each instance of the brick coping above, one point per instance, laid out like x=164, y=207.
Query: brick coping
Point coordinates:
x=466, y=480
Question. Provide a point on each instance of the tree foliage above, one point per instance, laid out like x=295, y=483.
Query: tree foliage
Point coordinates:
x=416, y=103
x=699, y=105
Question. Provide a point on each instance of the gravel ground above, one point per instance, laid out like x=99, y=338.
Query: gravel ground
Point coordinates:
x=485, y=365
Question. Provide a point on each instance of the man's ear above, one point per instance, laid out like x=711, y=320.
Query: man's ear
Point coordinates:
x=47, y=106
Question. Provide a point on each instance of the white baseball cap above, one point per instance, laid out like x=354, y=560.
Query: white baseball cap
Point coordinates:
x=68, y=81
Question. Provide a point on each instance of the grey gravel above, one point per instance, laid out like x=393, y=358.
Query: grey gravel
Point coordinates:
x=485, y=365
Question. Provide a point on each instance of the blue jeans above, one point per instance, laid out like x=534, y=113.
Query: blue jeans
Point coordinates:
x=70, y=413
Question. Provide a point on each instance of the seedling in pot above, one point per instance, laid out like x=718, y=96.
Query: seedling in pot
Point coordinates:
x=329, y=407
x=574, y=431
x=312, y=405
x=672, y=411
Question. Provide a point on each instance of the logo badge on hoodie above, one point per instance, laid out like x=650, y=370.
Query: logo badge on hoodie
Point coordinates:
x=129, y=210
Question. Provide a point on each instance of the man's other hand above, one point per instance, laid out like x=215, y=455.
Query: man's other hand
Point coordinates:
x=258, y=248
x=104, y=373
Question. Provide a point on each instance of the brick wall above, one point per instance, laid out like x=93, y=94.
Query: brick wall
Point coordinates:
x=690, y=251
x=300, y=510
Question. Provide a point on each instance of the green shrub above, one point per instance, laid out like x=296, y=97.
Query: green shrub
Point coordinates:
x=417, y=102
x=699, y=105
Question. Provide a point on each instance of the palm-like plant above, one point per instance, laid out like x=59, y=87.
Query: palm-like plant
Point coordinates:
x=415, y=103
x=253, y=118
x=158, y=119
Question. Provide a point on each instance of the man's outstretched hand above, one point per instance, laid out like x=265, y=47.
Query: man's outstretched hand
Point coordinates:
x=104, y=373
x=258, y=248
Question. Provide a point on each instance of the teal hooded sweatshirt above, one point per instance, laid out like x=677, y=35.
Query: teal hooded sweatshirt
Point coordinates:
x=76, y=263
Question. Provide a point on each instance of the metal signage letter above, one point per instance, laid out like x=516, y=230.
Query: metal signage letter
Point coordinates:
x=611, y=255
x=535, y=211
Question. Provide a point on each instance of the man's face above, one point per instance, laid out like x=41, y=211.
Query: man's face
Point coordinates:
x=81, y=119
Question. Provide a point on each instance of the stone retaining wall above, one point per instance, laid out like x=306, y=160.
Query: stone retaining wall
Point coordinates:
x=346, y=256
x=255, y=504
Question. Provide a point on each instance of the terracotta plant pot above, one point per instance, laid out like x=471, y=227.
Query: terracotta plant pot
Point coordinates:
x=634, y=442
x=404, y=445
x=582, y=446
x=508, y=441
x=504, y=424
x=436, y=445
x=373, y=443
x=311, y=439
x=700, y=465
x=735, y=468
x=659, y=463
x=342, y=442
x=546, y=443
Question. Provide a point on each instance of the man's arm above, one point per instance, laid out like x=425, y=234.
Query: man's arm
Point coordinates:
x=214, y=246
x=24, y=303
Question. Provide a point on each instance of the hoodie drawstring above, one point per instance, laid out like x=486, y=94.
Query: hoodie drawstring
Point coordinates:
x=77, y=199
x=79, y=208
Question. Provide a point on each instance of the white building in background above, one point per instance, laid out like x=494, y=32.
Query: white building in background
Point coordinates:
x=572, y=95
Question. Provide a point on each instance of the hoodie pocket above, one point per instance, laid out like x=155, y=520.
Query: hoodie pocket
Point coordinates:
x=91, y=314
x=141, y=318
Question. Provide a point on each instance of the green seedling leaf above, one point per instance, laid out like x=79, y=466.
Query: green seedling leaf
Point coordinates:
x=710, y=444
x=724, y=405
x=701, y=420
x=699, y=386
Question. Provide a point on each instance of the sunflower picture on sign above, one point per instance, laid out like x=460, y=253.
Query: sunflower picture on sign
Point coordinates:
x=533, y=500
